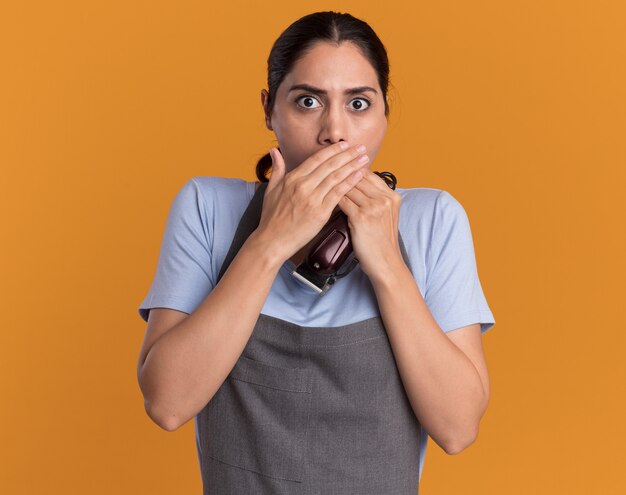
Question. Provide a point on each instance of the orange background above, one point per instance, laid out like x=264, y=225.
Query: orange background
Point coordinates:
x=517, y=108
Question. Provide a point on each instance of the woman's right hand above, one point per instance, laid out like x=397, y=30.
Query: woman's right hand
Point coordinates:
x=298, y=204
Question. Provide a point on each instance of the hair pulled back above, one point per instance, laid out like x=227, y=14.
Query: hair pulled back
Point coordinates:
x=331, y=27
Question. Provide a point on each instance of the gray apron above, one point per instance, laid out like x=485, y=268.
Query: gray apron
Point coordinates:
x=309, y=410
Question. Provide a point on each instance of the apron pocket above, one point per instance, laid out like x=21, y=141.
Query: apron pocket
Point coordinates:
x=258, y=419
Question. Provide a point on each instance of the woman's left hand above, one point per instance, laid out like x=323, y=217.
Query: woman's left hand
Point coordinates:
x=373, y=210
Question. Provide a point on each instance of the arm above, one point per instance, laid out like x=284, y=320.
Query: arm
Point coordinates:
x=447, y=389
x=180, y=371
x=445, y=376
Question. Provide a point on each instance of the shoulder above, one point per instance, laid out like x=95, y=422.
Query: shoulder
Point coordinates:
x=205, y=198
x=212, y=187
x=418, y=197
x=427, y=204
x=209, y=192
x=442, y=205
x=427, y=197
x=432, y=218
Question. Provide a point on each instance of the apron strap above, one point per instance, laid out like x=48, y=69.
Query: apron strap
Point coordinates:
x=250, y=221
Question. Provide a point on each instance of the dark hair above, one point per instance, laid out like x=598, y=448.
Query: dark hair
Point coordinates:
x=298, y=38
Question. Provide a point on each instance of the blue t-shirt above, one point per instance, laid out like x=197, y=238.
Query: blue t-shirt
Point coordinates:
x=434, y=227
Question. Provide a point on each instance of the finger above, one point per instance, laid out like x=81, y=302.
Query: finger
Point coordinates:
x=312, y=162
x=358, y=196
x=347, y=206
x=331, y=199
x=329, y=175
x=377, y=181
x=373, y=185
x=368, y=189
x=278, y=169
x=320, y=164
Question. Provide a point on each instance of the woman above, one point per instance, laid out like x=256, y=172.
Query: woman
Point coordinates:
x=293, y=392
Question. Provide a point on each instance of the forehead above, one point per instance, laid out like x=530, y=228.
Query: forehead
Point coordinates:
x=333, y=68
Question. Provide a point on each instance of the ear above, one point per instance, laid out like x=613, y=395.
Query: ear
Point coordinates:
x=265, y=101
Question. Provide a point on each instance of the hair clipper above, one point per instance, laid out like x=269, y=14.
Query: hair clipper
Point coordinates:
x=331, y=249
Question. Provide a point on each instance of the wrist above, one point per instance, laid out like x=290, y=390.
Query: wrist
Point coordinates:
x=389, y=273
x=265, y=249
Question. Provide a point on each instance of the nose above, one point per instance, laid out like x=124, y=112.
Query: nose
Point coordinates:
x=333, y=126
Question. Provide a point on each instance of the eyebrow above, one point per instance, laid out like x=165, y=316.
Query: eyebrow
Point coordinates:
x=312, y=89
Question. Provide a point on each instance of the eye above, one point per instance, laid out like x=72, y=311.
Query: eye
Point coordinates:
x=360, y=105
x=308, y=101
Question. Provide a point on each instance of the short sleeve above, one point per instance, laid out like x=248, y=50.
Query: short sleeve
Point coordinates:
x=453, y=293
x=183, y=274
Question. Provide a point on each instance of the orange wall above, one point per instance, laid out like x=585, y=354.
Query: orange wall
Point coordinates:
x=517, y=108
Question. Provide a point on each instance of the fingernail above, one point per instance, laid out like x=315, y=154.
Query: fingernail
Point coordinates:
x=361, y=148
x=343, y=145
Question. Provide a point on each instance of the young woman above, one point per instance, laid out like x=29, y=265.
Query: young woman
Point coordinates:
x=291, y=391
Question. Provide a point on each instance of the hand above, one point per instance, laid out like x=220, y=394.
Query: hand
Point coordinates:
x=373, y=210
x=297, y=205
